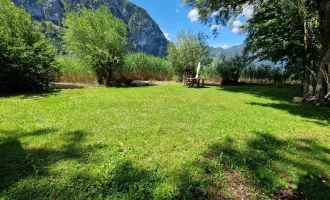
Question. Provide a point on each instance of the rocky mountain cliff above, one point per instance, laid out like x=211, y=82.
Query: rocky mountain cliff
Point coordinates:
x=143, y=31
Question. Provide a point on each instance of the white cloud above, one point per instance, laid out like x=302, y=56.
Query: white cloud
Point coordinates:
x=167, y=35
x=193, y=15
x=225, y=46
x=247, y=11
x=237, y=23
x=177, y=10
x=236, y=30
x=216, y=26
x=237, y=27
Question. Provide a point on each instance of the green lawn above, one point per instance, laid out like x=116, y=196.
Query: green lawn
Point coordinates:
x=163, y=142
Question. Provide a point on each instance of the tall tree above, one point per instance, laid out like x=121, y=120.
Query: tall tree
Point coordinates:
x=187, y=52
x=324, y=26
x=98, y=38
x=221, y=11
x=278, y=34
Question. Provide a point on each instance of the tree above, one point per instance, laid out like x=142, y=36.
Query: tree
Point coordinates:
x=100, y=39
x=187, y=52
x=221, y=11
x=25, y=55
x=278, y=34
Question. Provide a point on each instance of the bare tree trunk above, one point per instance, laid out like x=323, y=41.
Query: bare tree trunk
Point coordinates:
x=324, y=19
x=321, y=87
x=307, y=77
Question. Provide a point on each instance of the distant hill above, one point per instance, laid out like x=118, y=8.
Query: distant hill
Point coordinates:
x=233, y=51
x=230, y=52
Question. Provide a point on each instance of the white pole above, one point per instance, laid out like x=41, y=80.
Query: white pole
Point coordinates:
x=198, y=69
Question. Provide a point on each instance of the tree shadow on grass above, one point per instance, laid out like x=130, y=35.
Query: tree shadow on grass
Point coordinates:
x=266, y=168
x=269, y=162
x=29, y=95
x=274, y=92
x=199, y=88
x=20, y=134
x=132, y=182
x=320, y=116
x=18, y=163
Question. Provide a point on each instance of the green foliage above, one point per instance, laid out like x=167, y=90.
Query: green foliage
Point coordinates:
x=210, y=71
x=276, y=33
x=100, y=39
x=73, y=69
x=267, y=74
x=140, y=66
x=176, y=78
x=209, y=9
x=230, y=69
x=149, y=143
x=25, y=54
x=295, y=31
x=187, y=52
x=54, y=34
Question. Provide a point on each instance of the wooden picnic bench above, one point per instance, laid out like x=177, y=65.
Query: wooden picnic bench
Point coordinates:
x=190, y=82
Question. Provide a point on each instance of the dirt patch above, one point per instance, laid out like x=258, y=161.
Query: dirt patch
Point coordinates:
x=237, y=187
x=288, y=193
x=162, y=82
x=70, y=85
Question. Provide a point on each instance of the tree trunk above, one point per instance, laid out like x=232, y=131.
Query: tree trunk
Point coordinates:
x=307, y=77
x=321, y=87
x=108, y=81
x=307, y=84
x=324, y=19
x=100, y=80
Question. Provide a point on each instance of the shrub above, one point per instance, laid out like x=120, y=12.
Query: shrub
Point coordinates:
x=140, y=66
x=176, y=78
x=210, y=72
x=230, y=69
x=25, y=55
x=265, y=74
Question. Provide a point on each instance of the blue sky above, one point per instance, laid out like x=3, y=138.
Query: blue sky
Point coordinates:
x=172, y=16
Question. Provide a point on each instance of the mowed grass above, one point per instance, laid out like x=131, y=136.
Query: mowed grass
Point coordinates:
x=163, y=142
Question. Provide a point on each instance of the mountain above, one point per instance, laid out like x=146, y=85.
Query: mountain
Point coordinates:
x=143, y=31
x=230, y=52
x=236, y=50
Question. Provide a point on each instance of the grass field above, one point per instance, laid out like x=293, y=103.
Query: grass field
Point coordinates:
x=163, y=142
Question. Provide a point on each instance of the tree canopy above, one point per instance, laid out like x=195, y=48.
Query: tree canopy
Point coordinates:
x=100, y=39
x=187, y=52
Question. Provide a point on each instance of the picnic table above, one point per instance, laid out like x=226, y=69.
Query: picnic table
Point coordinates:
x=190, y=82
